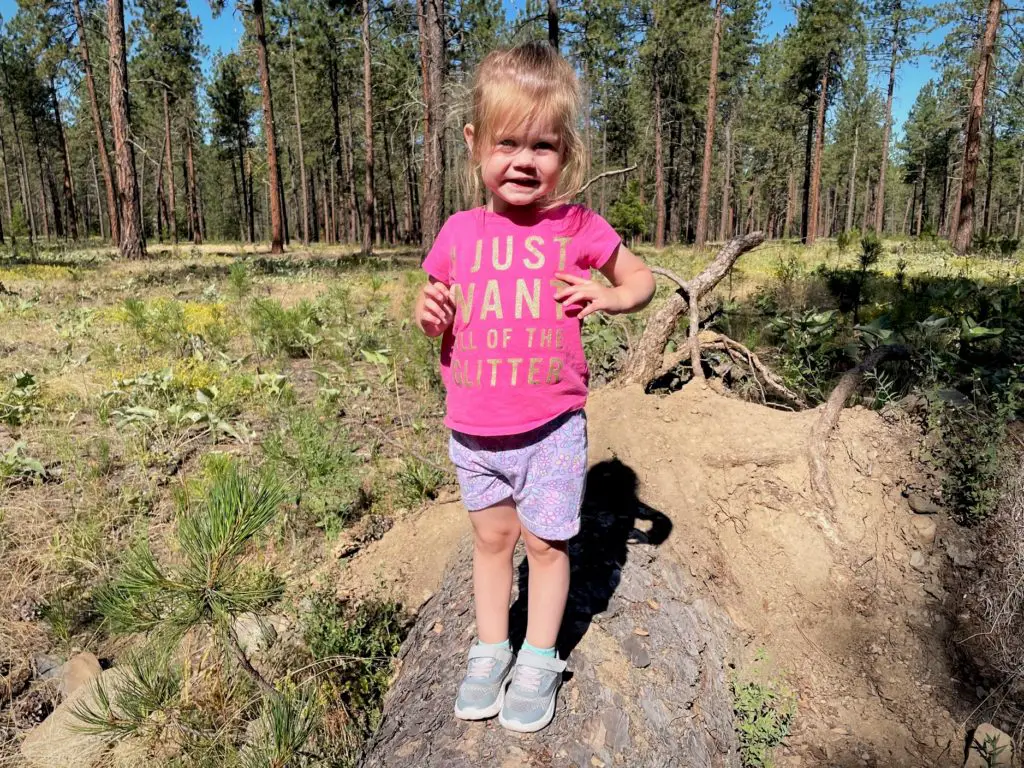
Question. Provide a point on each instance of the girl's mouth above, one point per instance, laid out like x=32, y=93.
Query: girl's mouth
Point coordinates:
x=523, y=183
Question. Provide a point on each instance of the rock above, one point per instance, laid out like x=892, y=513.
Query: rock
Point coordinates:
x=962, y=557
x=923, y=505
x=913, y=403
x=989, y=748
x=254, y=633
x=78, y=671
x=638, y=655
x=925, y=527
x=917, y=561
x=58, y=742
x=47, y=667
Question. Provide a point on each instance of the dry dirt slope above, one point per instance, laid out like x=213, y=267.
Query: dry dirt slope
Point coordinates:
x=856, y=630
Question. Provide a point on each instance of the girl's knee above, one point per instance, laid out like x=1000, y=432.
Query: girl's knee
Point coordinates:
x=543, y=550
x=495, y=540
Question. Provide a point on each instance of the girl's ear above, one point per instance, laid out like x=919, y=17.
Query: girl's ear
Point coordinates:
x=467, y=133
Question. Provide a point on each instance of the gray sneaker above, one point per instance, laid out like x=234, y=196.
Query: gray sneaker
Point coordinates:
x=530, y=699
x=482, y=690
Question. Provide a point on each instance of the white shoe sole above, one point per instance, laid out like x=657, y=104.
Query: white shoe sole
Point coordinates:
x=471, y=713
x=533, y=727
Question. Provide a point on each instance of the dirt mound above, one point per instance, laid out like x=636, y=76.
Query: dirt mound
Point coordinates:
x=859, y=630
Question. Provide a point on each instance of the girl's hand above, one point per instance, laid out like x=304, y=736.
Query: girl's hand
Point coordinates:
x=590, y=295
x=434, y=309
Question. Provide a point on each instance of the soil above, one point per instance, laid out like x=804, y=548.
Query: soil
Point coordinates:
x=855, y=629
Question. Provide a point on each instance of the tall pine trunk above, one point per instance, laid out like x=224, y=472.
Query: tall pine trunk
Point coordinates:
x=273, y=173
x=195, y=222
x=659, y=170
x=725, y=221
x=887, y=131
x=368, y=216
x=709, y=130
x=46, y=179
x=990, y=176
x=69, y=184
x=298, y=138
x=7, y=182
x=808, y=163
x=1016, y=221
x=851, y=195
x=131, y=244
x=819, y=143
x=172, y=217
x=97, y=123
x=96, y=189
x=972, y=146
x=553, y=23
x=432, y=34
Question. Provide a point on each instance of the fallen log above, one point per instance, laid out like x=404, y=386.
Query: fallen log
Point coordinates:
x=647, y=658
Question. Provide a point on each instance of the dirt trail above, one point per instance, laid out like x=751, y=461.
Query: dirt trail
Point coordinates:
x=859, y=633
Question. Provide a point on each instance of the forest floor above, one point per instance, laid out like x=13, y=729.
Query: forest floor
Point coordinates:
x=146, y=376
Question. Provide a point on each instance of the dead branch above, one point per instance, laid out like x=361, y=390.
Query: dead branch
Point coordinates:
x=644, y=359
x=606, y=174
x=829, y=417
x=733, y=348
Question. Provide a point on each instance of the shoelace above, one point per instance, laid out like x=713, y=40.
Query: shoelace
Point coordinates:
x=480, y=668
x=529, y=678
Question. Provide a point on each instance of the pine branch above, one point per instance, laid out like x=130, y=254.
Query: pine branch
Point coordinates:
x=616, y=172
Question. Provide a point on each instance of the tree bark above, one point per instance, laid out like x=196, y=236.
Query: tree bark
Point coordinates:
x=368, y=215
x=808, y=162
x=96, y=189
x=7, y=182
x=69, y=184
x=991, y=174
x=725, y=222
x=355, y=211
x=1016, y=221
x=972, y=146
x=887, y=130
x=709, y=131
x=920, y=202
x=46, y=180
x=659, y=170
x=172, y=217
x=669, y=702
x=298, y=138
x=433, y=141
x=131, y=245
x=97, y=122
x=195, y=222
x=851, y=195
x=553, y=23
x=273, y=173
x=819, y=144
x=392, y=232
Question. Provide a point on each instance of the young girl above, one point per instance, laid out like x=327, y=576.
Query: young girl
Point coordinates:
x=509, y=285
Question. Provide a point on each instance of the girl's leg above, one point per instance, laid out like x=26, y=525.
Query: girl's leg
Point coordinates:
x=548, y=590
x=496, y=531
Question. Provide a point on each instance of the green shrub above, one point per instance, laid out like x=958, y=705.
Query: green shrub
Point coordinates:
x=295, y=332
x=420, y=481
x=20, y=401
x=627, y=214
x=764, y=712
x=360, y=642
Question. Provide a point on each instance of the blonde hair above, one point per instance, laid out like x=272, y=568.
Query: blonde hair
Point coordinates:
x=514, y=86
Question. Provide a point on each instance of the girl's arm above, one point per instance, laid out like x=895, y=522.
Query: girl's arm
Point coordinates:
x=434, y=308
x=632, y=286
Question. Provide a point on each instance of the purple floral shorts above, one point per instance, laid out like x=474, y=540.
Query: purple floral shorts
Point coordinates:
x=543, y=471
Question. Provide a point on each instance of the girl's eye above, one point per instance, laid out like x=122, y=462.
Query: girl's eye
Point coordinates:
x=545, y=146
x=507, y=143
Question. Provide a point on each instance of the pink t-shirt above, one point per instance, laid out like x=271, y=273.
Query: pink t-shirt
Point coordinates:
x=513, y=359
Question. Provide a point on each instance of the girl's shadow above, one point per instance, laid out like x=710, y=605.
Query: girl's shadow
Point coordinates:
x=598, y=553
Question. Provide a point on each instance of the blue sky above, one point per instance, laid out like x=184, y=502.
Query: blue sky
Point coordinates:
x=222, y=34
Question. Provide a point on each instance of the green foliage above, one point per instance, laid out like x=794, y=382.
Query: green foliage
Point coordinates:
x=17, y=465
x=239, y=280
x=285, y=725
x=812, y=346
x=628, y=215
x=870, y=250
x=764, y=712
x=211, y=584
x=311, y=448
x=359, y=641
x=420, y=481
x=605, y=344
x=295, y=332
x=177, y=327
x=20, y=401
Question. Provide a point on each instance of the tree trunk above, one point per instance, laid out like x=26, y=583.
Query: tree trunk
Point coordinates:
x=69, y=184
x=851, y=195
x=725, y=222
x=944, y=202
x=669, y=702
x=159, y=209
x=787, y=230
x=1016, y=220
x=990, y=176
x=101, y=143
x=819, y=144
x=972, y=146
x=392, y=233
x=433, y=141
x=553, y=23
x=887, y=131
x=131, y=245
x=298, y=138
x=172, y=217
x=920, y=203
x=659, y=170
x=368, y=216
x=355, y=211
x=7, y=183
x=808, y=162
x=46, y=180
x=96, y=189
x=273, y=173
x=193, y=188
x=709, y=131
x=412, y=190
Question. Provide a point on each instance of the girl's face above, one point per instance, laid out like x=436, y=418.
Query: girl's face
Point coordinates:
x=521, y=166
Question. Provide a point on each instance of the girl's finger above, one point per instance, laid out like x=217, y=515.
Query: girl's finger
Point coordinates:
x=574, y=279
x=587, y=310
x=574, y=290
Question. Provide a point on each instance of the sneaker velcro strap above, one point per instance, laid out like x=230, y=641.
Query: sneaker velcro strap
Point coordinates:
x=483, y=652
x=536, y=661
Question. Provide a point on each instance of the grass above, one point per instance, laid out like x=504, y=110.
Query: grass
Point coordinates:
x=125, y=386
